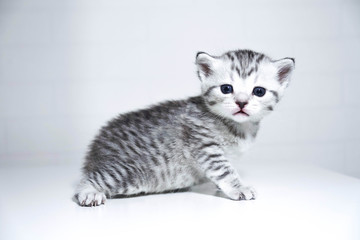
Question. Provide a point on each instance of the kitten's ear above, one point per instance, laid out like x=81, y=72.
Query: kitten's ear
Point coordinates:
x=205, y=64
x=284, y=69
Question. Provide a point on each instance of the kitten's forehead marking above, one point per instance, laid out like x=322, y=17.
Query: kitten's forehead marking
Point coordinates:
x=245, y=62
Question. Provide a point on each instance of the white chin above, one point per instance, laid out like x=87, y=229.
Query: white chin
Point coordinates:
x=241, y=118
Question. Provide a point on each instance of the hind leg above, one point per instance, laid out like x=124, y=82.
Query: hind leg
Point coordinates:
x=87, y=195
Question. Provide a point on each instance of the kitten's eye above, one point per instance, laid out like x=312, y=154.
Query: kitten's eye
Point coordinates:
x=226, y=88
x=259, y=91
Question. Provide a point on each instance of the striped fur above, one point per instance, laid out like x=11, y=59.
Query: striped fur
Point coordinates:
x=177, y=144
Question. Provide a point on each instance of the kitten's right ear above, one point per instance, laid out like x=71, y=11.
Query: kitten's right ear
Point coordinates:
x=285, y=67
x=205, y=65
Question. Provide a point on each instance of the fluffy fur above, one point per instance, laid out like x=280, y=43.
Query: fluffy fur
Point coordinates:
x=177, y=144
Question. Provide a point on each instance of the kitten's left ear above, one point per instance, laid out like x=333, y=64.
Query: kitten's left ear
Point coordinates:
x=284, y=69
x=205, y=64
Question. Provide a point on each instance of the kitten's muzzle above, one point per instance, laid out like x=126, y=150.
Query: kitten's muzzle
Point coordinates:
x=241, y=112
x=241, y=106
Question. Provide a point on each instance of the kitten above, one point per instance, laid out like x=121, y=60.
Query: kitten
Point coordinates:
x=177, y=144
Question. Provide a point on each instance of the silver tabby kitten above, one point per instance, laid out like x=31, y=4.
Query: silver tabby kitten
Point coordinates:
x=177, y=144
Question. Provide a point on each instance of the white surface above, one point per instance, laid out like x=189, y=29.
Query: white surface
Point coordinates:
x=294, y=202
x=66, y=67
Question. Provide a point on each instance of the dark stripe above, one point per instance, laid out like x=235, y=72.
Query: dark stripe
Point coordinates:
x=130, y=173
x=200, y=133
x=163, y=176
x=133, y=150
x=216, y=164
x=155, y=161
x=235, y=183
x=120, y=135
x=142, y=175
x=125, y=137
x=209, y=90
x=95, y=184
x=105, y=145
x=211, y=156
x=134, y=134
x=191, y=135
x=242, y=135
x=117, y=172
x=152, y=144
x=218, y=168
x=237, y=54
x=238, y=71
x=270, y=108
x=165, y=157
x=208, y=145
x=104, y=180
x=222, y=176
x=217, y=161
x=97, y=178
x=124, y=188
x=260, y=58
x=250, y=72
x=137, y=144
x=276, y=95
x=111, y=173
x=142, y=141
x=198, y=126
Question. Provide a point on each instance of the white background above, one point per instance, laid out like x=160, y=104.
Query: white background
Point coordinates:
x=66, y=67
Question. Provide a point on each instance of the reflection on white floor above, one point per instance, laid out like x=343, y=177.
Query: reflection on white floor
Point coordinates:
x=294, y=202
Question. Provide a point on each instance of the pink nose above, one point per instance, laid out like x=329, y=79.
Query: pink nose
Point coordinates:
x=241, y=104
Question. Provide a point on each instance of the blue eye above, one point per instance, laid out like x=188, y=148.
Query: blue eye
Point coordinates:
x=259, y=91
x=226, y=88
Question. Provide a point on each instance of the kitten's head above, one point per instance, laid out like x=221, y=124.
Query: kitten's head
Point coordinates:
x=243, y=85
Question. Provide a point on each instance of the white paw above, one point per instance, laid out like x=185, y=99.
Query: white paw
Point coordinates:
x=90, y=199
x=247, y=193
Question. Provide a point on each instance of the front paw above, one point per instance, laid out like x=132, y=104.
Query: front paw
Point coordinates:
x=91, y=199
x=247, y=193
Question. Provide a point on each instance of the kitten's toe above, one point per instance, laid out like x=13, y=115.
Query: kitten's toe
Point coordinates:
x=100, y=198
x=247, y=193
x=91, y=199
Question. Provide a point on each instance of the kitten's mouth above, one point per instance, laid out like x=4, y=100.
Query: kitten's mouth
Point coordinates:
x=241, y=112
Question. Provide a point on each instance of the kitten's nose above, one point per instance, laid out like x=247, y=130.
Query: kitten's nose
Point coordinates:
x=241, y=104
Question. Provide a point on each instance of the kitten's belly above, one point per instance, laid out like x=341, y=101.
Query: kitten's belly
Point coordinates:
x=176, y=177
